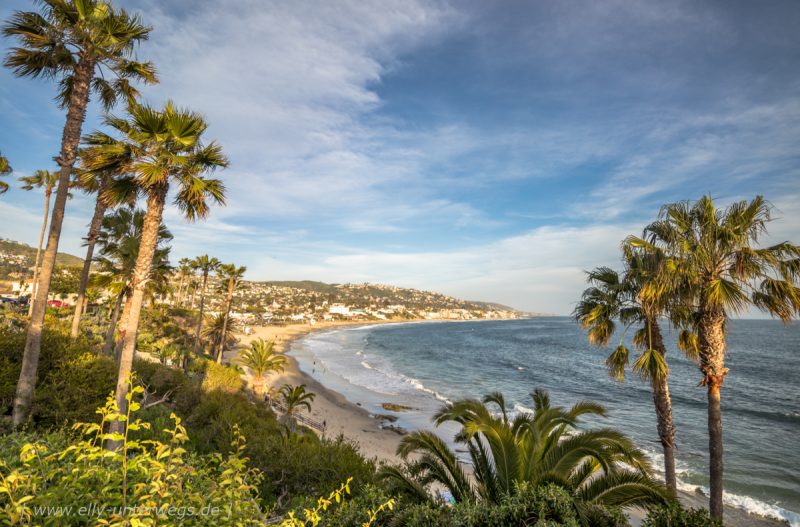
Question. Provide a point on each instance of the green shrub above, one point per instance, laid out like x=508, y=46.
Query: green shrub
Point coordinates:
x=70, y=392
x=70, y=381
x=64, y=479
x=676, y=516
x=544, y=506
x=222, y=378
x=139, y=484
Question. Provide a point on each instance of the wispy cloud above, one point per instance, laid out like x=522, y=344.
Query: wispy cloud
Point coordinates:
x=490, y=150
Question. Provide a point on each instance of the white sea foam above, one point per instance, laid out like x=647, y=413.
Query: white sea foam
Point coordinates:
x=421, y=387
x=367, y=365
x=519, y=409
x=745, y=503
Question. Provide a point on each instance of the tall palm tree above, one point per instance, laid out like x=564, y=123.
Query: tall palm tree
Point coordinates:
x=163, y=148
x=184, y=271
x=718, y=263
x=110, y=191
x=296, y=397
x=46, y=180
x=118, y=242
x=86, y=45
x=205, y=265
x=193, y=285
x=5, y=169
x=598, y=466
x=233, y=275
x=262, y=358
x=635, y=299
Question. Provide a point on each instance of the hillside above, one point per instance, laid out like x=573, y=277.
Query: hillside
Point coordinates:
x=16, y=260
x=314, y=299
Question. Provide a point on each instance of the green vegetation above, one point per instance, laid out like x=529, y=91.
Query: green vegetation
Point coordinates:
x=86, y=46
x=599, y=468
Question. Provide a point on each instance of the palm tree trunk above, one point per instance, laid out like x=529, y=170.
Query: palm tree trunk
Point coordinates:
x=663, y=404
x=78, y=99
x=108, y=347
x=200, y=318
x=123, y=325
x=91, y=238
x=180, y=292
x=141, y=275
x=225, y=322
x=47, y=193
x=711, y=334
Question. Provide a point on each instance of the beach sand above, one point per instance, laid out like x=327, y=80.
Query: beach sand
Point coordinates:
x=356, y=424
x=340, y=415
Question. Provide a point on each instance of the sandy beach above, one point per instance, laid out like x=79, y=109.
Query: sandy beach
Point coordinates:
x=340, y=415
x=358, y=425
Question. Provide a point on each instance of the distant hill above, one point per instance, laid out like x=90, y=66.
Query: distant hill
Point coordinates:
x=16, y=259
x=309, y=292
x=308, y=285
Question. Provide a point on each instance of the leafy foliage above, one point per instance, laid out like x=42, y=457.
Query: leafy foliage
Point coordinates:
x=676, y=516
x=597, y=467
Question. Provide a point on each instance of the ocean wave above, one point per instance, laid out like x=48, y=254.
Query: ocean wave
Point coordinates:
x=748, y=504
x=421, y=387
x=519, y=409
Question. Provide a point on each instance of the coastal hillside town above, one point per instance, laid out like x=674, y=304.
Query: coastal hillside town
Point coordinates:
x=256, y=303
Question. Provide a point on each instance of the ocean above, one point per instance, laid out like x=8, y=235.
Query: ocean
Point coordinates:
x=422, y=365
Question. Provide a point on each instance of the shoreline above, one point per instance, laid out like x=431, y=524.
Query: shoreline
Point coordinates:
x=342, y=416
x=346, y=418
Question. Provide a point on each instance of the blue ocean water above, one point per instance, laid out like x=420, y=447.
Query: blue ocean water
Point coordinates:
x=423, y=364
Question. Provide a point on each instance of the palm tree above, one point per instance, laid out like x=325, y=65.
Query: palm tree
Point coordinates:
x=262, y=358
x=636, y=299
x=234, y=276
x=193, y=286
x=162, y=147
x=5, y=169
x=110, y=191
x=598, y=466
x=296, y=397
x=216, y=330
x=717, y=262
x=184, y=271
x=46, y=180
x=118, y=241
x=70, y=41
x=205, y=265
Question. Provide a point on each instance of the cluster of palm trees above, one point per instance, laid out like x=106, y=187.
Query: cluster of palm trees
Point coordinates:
x=88, y=47
x=692, y=268
x=219, y=331
x=261, y=358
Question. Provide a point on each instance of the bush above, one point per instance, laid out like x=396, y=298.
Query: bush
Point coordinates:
x=676, y=516
x=71, y=381
x=139, y=484
x=61, y=479
x=222, y=378
x=545, y=506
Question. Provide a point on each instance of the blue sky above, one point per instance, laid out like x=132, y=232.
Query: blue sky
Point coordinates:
x=490, y=150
